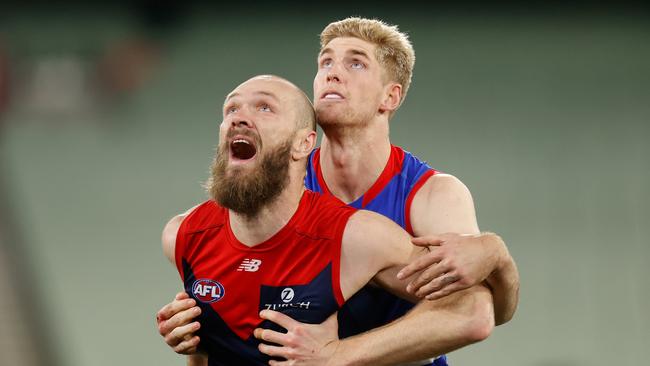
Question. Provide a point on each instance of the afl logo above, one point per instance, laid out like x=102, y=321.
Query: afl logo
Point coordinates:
x=208, y=291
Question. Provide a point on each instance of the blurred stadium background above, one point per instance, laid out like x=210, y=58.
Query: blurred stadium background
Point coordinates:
x=108, y=120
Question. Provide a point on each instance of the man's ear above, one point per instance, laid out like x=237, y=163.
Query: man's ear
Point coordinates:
x=392, y=98
x=304, y=143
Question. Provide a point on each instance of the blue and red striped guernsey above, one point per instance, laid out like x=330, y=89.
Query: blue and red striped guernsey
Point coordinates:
x=295, y=272
x=391, y=195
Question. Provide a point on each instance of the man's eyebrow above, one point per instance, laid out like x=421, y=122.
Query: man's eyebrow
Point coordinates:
x=354, y=52
x=324, y=51
x=230, y=96
x=261, y=92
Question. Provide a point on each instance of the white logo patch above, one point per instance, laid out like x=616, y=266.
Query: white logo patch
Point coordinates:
x=287, y=294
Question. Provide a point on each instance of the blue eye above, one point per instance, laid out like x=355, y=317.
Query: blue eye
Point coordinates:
x=265, y=108
x=357, y=65
x=230, y=110
x=327, y=63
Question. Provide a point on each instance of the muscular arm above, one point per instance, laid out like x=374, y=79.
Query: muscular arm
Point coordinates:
x=175, y=320
x=444, y=205
x=504, y=283
x=375, y=248
x=169, y=237
x=431, y=329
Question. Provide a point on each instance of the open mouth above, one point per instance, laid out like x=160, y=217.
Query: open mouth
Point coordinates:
x=242, y=149
x=331, y=95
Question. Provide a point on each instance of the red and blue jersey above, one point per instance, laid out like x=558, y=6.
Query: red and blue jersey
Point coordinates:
x=391, y=195
x=296, y=272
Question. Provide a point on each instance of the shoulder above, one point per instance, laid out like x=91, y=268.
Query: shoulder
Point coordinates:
x=170, y=232
x=443, y=204
x=443, y=186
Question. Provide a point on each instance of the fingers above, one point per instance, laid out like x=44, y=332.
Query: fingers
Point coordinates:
x=273, y=351
x=187, y=347
x=271, y=336
x=436, y=285
x=181, y=295
x=177, y=305
x=428, y=240
x=179, y=319
x=447, y=290
x=278, y=318
x=427, y=276
x=424, y=261
x=181, y=334
x=279, y=363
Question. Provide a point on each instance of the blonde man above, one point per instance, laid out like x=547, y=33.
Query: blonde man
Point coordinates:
x=364, y=72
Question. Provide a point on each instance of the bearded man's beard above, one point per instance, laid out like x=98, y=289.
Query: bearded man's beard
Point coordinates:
x=247, y=192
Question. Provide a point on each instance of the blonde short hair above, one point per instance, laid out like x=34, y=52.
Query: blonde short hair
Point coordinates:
x=394, y=50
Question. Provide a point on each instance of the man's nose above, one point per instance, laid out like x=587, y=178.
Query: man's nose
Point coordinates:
x=241, y=118
x=334, y=73
x=333, y=77
x=240, y=122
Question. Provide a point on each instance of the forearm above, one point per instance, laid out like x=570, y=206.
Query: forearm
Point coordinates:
x=504, y=283
x=431, y=329
x=198, y=359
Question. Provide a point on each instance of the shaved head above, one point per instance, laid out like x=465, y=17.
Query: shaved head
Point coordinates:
x=304, y=109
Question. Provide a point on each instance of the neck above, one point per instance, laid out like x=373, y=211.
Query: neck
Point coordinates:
x=271, y=218
x=353, y=158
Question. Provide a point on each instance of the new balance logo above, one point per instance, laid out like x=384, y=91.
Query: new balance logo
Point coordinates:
x=250, y=265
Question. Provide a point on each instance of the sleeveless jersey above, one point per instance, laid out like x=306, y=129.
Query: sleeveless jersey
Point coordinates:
x=295, y=272
x=391, y=195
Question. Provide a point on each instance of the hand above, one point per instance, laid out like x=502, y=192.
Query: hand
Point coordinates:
x=456, y=262
x=174, y=324
x=303, y=344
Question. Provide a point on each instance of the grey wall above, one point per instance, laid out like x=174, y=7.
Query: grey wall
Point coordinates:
x=546, y=119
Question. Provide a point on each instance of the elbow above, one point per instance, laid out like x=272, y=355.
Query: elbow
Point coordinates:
x=480, y=330
x=480, y=324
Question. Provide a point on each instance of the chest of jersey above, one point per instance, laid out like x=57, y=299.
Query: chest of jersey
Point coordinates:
x=295, y=272
x=236, y=284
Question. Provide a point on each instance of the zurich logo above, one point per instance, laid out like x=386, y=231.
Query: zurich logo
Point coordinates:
x=287, y=294
x=208, y=291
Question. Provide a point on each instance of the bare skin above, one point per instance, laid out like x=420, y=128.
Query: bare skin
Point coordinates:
x=356, y=127
x=373, y=248
x=354, y=151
